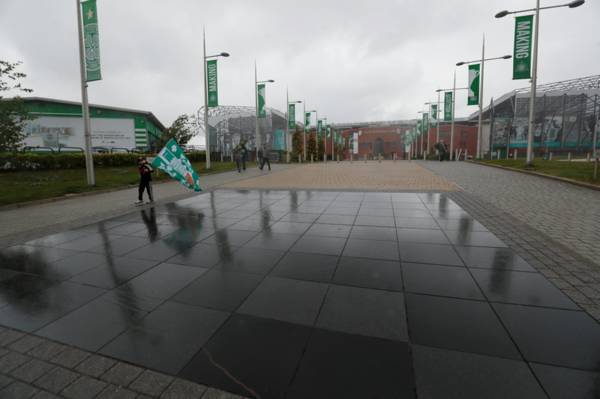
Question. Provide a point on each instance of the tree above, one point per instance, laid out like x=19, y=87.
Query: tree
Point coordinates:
x=13, y=114
x=311, y=147
x=182, y=130
x=297, y=142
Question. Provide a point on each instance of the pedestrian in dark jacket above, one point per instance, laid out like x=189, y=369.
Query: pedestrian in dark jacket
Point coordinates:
x=146, y=171
x=239, y=155
x=264, y=158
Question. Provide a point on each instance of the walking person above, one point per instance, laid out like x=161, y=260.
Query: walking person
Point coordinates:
x=264, y=158
x=442, y=150
x=239, y=154
x=146, y=171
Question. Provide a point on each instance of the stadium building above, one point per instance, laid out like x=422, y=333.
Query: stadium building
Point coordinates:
x=58, y=125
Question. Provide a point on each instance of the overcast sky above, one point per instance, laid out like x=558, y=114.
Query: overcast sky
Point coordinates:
x=352, y=60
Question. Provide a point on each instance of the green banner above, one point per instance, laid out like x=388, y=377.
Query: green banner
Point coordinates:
x=319, y=127
x=260, y=92
x=212, y=85
x=522, y=51
x=91, y=41
x=291, y=116
x=425, y=123
x=434, y=114
x=448, y=106
x=173, y=161
x=328, y=130
x=307, y=121
x=473, y=84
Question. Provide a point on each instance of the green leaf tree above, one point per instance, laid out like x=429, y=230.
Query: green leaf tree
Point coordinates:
x=13, y=114
x=182, y=130
x=297, y=144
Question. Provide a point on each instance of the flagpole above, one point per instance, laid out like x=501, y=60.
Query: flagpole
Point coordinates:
x=287, y=124
x=452, y=123
x=532, y=92
x=206, y=127
x=478, y=154
x=437, y=120
x=85, y=109
x=257, y=138
x=304, y=130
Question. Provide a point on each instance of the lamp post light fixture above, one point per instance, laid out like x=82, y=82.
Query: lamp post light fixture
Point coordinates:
x=454, y=88
x=206, y=127
x=257, y=139
x=532, y=94
x=482, y=61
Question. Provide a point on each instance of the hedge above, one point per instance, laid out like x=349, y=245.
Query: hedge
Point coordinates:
x=33, y=161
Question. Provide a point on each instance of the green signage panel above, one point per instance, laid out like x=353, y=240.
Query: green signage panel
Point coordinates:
x=448, y=106
x=260, y=92
x=212, y=84
x=473, y=84
x=291, y=116
x=91, y=41
x=522, y=50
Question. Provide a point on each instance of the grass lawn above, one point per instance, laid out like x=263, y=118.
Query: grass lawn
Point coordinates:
x=581, y=171
x=35, y=185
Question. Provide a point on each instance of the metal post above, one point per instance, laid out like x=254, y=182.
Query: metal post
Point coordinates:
x=478, y=152
x=316, y=156
x=304, y=132
x=85, y=109
x=452, y=123
x=287, y=123
x=256, y=132
x=533, y=86
x=437, y=120
x=206, y=127
x=595, y=134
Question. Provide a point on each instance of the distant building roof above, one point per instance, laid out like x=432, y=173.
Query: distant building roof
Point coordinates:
x=149, y=114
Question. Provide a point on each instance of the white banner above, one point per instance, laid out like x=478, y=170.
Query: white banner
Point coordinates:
x=355, y=143
x=49, y=131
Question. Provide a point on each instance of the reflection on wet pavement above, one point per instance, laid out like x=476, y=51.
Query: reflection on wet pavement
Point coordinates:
x=280, y=288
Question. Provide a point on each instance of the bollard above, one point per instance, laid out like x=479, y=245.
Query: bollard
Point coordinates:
x=550, y=157
x=569, y=157
x=587, y=158
x=596, y=168
x=515, y=155
x=466, y=153
x=498, y=155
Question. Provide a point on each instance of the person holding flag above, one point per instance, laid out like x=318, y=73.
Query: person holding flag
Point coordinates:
x=146, y=171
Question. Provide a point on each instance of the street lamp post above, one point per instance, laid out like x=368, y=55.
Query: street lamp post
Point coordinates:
x=288, y=139
x=437, y=127
x=454, y=88
x=482, y=61
x=324, y=125
x=257, y=139
x=422, y=134
x=316, y=125
x=206, y=128
x=501, y=14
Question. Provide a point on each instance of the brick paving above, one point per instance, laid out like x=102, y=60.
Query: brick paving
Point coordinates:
x=555, y=226
x=369, y=176
x=34, y=367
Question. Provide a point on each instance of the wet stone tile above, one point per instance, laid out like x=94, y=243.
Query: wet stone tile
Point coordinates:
x=458, y=375
x=56, y=380
x=429, y=253
x=369, y=273
x=238, y=344
x=288, y=300
x=95, y=365
x=387, y=250
x=384, y=368
x=219, y=290
x=18, y=390
x=458, y=324
x=84, y=387
x=303, y=266
x=493, y=258
x=164, y=280
x=182, y=389
x=114, y=272
x=121, y=374
x=319, y=245
x=440, y=280
x=32, y=370
x=564, y=383
x=364, y=311
x=151, y=383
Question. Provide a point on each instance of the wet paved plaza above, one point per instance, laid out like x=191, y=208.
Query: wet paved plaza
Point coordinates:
x=308, y=294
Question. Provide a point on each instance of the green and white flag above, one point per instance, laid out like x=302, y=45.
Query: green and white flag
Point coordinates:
x=173, y=161
x=522, y=51
x=307, y=121
x=319, y=127
x=291, y=116
x=448, y=106
x=260, y=92
x=212, y=84
x=328, y=130
x=91, y=41
x=473, y=84
x=434, y=114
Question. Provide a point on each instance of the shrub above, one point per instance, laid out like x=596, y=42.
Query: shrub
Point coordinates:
x=33, y=161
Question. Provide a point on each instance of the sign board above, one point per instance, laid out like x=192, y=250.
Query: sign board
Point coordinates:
x=53, y=132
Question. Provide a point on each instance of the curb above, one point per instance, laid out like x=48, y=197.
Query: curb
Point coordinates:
x=529, y=172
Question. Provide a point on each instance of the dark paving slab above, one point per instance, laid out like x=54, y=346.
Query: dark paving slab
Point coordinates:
x=291, y=294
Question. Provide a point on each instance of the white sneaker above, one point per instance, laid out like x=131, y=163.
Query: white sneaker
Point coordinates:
x=138, y=202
